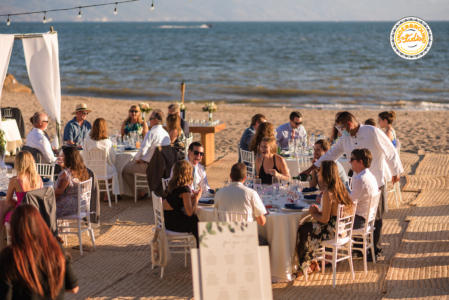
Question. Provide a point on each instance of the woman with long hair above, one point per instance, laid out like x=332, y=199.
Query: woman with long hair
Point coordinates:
x=177, y=137
x=177, y=196
x=134, y=123
x=263, y=130
x=27, y=179
x=335, y=134
x=269, y=164
x=98, y=139
x=66, y=187
x=323, y=222
x=385, y=120
x=34, y=266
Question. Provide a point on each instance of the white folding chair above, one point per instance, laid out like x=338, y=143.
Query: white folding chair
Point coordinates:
x=397, y=186
x=165, y=183
x=187, y=142
x=46, y=171
x=95, y=160
x=367, y=233
x=247, y=157
x=340, y=244
x=228, y=216
x=82, y=217
x=7, y=113
x=8, y=233
x=179, y=240
x=140, y=181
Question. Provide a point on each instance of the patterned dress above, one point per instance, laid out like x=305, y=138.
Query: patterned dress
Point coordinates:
x=67, y=203
x=130, y=127
x=179, y=144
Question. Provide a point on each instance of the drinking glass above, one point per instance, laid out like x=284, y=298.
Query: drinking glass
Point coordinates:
x=257, y=184
x=291, y=145
x=197, y=122
x=276, y=186
x=203, y=122
x=191, y=122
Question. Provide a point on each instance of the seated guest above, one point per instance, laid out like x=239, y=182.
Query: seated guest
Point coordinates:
x=35, y=265
x=323, y=223
x=250, y=131
x=175, y=109
x=321, y=147
x=76, y=131
x=177, y=137
x=238, y=198
x=98, y=139
x=66, y=187
x=37, y=139
x=27, y=179
x=195, y=153
x=385, y=121
x=291, y=130
x=274, y=165
x=157, y=136
x=32, y=123
x=335, y=134
x=263, y=130
x=134, y=122
x=370, y=122
x=178, y=196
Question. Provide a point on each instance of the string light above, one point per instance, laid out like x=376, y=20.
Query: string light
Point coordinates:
x=115, y=10
x=152, y=5
x=79, y=14
x=8, y=22
x=45, y=19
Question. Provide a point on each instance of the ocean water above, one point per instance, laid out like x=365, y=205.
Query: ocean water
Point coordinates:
x=292, y=64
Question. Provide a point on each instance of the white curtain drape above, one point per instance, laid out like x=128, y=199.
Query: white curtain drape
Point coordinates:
x=6, y=43
x=42, y=61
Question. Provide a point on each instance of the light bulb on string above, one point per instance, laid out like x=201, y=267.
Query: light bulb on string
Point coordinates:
x=115, y=10
x=45, y=17
x=152, y=5
x=8, y=22
x=79, y=14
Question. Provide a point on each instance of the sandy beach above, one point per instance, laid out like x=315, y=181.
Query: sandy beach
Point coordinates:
x=417, y=130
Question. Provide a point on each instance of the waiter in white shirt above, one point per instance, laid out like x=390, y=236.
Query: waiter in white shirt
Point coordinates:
x=157, y=136
x=36, y=138
x=386, y=161
x=196, y=153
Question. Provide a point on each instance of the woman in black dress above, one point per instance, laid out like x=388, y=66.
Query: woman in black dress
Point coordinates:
x=34, y=266
x=177, y=196
x=269, y=164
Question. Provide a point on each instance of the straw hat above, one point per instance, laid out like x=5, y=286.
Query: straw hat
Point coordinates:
x=81, y=107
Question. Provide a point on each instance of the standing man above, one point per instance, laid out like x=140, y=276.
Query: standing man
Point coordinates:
x=291, y=130
x=76, y=131
x=250, y=131
x=157, y=136
x=36, y=138
x=386, y=162
x=175, y=109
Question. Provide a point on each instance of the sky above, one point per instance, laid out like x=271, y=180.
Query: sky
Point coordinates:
x=232, y=10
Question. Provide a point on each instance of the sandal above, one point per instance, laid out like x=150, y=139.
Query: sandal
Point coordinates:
x=314, y=267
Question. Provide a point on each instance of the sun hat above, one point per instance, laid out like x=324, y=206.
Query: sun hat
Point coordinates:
x=81, y=107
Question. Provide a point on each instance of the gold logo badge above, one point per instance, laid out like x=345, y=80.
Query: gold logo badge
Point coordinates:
x=411, y=38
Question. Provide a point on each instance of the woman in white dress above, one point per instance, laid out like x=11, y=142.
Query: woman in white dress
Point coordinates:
x=98, y=139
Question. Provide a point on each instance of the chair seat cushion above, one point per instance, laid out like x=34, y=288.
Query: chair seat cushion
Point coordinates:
x=174, y=233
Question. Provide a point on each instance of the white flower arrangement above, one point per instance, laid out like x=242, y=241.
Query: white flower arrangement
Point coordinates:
x=145, y=107
x=181, y=105
x=210, y=107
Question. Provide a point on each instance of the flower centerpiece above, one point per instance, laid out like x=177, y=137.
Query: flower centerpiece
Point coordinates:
x=144, y=108
x=181, y=105
x=2, y=147
x=210, y=107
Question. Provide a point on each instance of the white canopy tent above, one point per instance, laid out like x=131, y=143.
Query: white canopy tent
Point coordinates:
x=42, y=61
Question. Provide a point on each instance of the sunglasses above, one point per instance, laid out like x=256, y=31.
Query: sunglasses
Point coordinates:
x=198, y=153
x=298, y=123
x=44, y=121
x=152, y=118
x=134, y=111
x=84, y=113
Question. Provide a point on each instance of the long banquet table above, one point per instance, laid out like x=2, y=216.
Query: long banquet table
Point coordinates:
x=280, y=231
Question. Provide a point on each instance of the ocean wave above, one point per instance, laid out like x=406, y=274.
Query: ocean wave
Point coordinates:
x=125, y=92
x=183, y=26
x=283, y=93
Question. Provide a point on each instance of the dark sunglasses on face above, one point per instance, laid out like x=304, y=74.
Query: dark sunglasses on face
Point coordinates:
x=298, y=123
x=152, y=118
x=134, y=111
x=85, y=113
x=44, y=121
x=198, y=153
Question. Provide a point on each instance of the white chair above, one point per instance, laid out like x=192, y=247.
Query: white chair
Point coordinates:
x=340, y=244
x=8, y=234
x=187, y=142
x=140, y=181
x=7, y=113
x=247, y=157
x=95, y=160
x=47, y=171
x=367, y=233
x=227, y=216
x=165, y=183
x=397, y=186
x=183, y=240
x=82, y=217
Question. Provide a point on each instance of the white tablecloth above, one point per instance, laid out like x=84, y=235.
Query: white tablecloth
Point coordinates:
x=280, y=232
x=294, y=171
x=120, y=162
x=12, y=134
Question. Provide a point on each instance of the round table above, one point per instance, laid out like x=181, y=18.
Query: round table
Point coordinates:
x=280, y=231
x=121, y=160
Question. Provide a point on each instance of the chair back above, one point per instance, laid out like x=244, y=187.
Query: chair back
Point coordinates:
x=46, y=170
x=158, y=211
x=187, y=142
x=7, y=113
x=84, y=196
x=344, y=225
x=37, y=155
x=398, y=146
x=247, y=157
x=238, y=151
x=371, y=217
x=165, y=183
x=8, y=233
x=95, y=160
x=228, y=216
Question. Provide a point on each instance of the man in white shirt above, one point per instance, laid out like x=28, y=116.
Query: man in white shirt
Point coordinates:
x=37, y=139
x=157, y=136
x=196, y=152
x=291, y=130
x=240, y=199
x=386, y=162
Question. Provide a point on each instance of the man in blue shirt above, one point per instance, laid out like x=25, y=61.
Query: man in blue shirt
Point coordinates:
x=251, y=130
x=291, y=130
x=78, y=128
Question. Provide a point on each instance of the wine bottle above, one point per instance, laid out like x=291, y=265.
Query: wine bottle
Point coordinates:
x=303, y=177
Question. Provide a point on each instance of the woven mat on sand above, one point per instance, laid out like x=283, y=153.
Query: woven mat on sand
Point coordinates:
x=433, y=170
x=416, y=183
x=422, y=294
x=435, y=159
x=409, y=162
